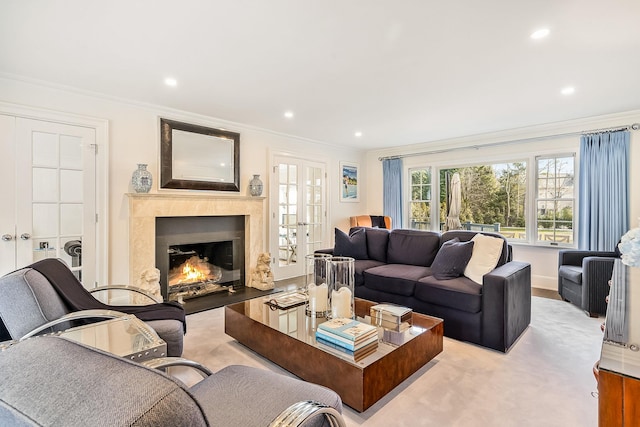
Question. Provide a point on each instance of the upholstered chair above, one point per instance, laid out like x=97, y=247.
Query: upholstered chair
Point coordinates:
x=30, y=305
x=370, y=221
x=583, y=279
x=52, y=381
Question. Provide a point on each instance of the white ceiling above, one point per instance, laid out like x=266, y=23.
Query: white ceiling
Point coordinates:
x=401, y=72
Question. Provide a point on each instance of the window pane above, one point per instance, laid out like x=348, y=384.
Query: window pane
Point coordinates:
x=485, y=198
x=555, y=200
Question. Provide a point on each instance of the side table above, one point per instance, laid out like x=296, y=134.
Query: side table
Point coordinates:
x=126, y=336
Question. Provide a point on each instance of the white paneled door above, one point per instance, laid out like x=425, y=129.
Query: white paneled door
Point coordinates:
x=298, y=214
x=50, y=200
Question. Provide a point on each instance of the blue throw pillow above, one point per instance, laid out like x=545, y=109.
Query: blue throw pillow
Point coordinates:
x=353, y=245
x=452, y=259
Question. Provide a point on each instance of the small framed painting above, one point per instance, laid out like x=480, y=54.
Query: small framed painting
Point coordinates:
x=349, y=189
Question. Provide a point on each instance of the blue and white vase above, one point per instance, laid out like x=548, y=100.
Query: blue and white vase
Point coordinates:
x=255, y=186
x=141, y=180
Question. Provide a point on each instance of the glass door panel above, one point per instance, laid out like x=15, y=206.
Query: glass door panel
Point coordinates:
x=298, y=214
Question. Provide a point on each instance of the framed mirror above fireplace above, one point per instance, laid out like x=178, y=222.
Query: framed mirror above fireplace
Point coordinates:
x=194, y=157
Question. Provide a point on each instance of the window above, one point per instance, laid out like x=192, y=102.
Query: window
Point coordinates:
x=555, y=199
x=490, y=198
x=420, y=203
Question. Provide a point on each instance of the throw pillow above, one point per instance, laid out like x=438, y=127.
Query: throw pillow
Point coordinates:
x=452, y=259
x=485, y=257
x=353, y=245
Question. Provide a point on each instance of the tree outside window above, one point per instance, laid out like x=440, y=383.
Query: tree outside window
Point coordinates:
x=493, y=197
x=420, y=204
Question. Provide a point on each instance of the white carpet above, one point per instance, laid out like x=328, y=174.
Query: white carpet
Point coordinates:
x=545, y=380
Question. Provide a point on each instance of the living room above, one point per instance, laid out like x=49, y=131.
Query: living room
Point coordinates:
x=127, y=123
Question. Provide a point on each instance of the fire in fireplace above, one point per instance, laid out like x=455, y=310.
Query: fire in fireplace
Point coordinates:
x=200, y=269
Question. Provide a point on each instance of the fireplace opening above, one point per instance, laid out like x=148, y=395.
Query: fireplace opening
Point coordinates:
x=200, y=258
x=200, y=269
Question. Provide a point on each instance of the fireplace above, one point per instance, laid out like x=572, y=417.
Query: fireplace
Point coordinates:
x=146, y=208
x=199, y=257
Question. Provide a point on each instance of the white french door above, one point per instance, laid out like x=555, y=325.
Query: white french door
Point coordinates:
x=50, y=195
x=298, y=213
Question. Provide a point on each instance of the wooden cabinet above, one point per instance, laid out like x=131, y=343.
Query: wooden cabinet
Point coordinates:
x=619, y=400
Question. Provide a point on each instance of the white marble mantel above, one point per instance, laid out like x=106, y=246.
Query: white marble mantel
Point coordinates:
x=145, y=207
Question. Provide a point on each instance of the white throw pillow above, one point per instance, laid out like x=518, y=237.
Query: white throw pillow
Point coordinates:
x=485, y=256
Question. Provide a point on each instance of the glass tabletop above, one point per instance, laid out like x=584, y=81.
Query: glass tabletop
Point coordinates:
x=296, y=323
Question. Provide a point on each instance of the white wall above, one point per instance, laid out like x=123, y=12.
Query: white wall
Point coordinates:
x=544, y=260
x=134, y=138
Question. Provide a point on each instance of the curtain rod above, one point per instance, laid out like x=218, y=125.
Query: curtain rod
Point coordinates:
x=634, y=126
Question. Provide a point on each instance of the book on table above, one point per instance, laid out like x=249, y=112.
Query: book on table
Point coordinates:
x=357, y=355
x=344, y=342
x=352, y=330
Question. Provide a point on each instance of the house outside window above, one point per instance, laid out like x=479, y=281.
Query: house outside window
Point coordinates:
x=555, y=199
x=420, y=203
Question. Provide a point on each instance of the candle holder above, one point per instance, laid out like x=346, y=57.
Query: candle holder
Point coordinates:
x=316, y=284
x=342, y=287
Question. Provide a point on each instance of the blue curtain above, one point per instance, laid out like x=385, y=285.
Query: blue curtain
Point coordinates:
x=603, y=190
x=392, y=190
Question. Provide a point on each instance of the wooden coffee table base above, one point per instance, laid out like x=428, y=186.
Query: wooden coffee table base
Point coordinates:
x=358, y=386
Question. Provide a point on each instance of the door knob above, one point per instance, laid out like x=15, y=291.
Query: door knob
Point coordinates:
x=25, y=236
x=7, y=237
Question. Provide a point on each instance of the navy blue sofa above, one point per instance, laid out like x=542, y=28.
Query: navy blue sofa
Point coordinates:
x=397, y=269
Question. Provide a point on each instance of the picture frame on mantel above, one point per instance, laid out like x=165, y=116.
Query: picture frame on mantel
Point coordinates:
x=349, y=182
x=194, y=157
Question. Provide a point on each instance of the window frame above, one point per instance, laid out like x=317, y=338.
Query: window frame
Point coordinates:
x=535, y=240
x=429, y=170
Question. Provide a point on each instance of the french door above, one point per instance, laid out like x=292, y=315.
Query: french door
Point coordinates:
x=49, y=186
x=298, y=213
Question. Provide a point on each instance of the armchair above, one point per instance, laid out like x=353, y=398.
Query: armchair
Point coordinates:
x=371, y=221
x=583, y=278
x=43, y=377
x=47, y=297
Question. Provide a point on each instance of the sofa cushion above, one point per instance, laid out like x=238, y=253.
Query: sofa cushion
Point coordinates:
x=460, y=293
x=399, y=279
x=485, y=256
x=412, y=247
x=452, y=259
x=360, y=266
x=377, y=243
x=352, y=245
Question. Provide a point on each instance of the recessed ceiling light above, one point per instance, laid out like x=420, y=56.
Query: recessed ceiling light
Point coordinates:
x=569, y=90
x=540, y=34
x=358, y=134
x=169, y=81
x=288, y=114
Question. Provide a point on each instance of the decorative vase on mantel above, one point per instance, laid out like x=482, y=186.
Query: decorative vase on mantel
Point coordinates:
x=255, y=186
x=141, y=180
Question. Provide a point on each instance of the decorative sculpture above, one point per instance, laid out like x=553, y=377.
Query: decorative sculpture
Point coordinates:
x=148, y=281
x=262, y=276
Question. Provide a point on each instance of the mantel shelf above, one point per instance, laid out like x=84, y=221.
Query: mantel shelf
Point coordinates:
x=202, y=196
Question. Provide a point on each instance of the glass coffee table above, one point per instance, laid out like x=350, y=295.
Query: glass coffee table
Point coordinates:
x=287, y=338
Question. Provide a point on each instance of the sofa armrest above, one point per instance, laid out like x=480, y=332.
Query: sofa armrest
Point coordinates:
x=506, y=304
x=324, y=251
x=574, y=257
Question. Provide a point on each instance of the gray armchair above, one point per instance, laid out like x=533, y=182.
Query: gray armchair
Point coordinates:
x=52, y=381
x=30, y=305
x=583, y=278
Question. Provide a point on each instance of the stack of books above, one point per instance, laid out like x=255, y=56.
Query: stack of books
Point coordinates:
x=354, y=338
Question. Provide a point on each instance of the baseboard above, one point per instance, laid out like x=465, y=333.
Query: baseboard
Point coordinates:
x=544, y=282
